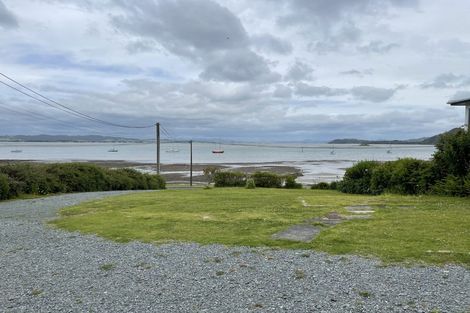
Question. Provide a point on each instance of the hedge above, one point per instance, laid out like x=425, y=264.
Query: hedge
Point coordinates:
x=21, y=178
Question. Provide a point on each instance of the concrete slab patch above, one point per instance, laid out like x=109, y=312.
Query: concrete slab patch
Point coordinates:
x=301, y=233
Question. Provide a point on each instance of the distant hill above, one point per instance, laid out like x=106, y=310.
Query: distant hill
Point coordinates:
x=419, y=141
x=65, y=138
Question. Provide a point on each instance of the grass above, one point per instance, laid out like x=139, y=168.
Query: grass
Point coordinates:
x=409, y=229
x=107, y=266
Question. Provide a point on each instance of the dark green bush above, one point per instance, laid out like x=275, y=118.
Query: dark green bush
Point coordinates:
x=267, y=180
x=290, y=183
x=404, y=176
x=357, y=178
x=229, y=179
x=453, y=155
x=408, y=176
x=4, y=187
x=73, y=177
x=80, y=177
x=321, y=186
x=155, y=181
x=453, y=186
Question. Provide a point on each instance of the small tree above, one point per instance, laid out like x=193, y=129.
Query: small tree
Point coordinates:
x=209, y=173
x=453, y=154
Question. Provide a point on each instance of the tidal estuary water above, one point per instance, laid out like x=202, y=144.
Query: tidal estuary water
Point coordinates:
x=318, y=162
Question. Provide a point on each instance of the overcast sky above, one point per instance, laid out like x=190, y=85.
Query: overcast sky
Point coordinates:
x=267, y=70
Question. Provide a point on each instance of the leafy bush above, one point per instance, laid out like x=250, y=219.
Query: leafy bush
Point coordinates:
x=72, y=177
x=290, y=183
x=453, y=155
x=250, y=183
x=357, y=178
x=321, y=186
x=267, y=180
x=229, y=179
x=4, y=187
x=404, y=176
x=453, y=186
x=80, y=177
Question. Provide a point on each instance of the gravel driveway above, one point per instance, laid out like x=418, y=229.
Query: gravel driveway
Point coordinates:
x=48, y=270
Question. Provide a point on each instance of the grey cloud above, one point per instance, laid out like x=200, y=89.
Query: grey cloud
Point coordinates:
x=303, y=89
x=202, y=31
x=139, y=46
x=372, y=94
x=299, y=71
x=337, y=38
x=365, y=93
x=358, y=73
x=377, y=46
x=239, y=66
x=335, y=10
x=7, y=18
x=282, y=91
x=269, y=43
x=448, y=80
x=184, y=27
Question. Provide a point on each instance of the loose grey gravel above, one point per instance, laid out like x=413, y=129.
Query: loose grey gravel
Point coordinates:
x=48, y=270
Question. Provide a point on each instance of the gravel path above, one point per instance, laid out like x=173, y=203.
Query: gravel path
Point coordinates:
x=48, y=270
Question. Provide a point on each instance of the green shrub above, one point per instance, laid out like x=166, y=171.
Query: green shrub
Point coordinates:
x=408, y=176
x=453, y=186
x=320, y=186
x=357, y=178
x=155, y=182
x=267, y=180
x=229, y=179
x=250, y=183
x=4, y=187
x=290, y=183
x=72, y=177
x=80, y=177
x=453, y=155
x=404, y=176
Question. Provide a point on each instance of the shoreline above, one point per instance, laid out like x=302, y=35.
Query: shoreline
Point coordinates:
x=308, y=172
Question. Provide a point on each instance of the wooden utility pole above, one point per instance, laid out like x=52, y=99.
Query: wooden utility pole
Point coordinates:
x=157, y=130
x=191, y=163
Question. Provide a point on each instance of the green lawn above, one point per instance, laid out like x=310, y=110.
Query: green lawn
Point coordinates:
x=403, y=228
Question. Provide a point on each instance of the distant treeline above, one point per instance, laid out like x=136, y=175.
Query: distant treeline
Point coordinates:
x=448, y=173
x=42, y=179
x=421, y=141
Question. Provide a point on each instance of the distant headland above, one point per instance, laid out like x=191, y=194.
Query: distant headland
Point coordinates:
x=419, y=141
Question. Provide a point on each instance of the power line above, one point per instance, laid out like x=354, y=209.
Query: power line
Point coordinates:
x=63, y=107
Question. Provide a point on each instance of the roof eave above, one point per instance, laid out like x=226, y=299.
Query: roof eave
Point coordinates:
x=459, y=102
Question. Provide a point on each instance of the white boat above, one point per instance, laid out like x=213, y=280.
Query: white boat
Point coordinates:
x=173, y=150
x=113, y=150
